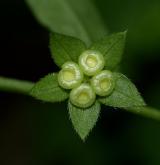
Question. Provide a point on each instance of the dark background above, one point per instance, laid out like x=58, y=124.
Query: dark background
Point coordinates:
x=33, y=132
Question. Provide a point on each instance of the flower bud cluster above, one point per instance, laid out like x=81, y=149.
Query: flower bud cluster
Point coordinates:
x=86, y=79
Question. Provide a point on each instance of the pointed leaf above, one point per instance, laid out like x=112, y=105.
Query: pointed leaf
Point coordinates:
x=111, y=47
x=84, y=120
x=70, y=17
x=125, y=94
x=47, y=89
x=64, y=48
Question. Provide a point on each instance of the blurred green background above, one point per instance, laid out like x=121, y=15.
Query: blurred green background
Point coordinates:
x=32, y=132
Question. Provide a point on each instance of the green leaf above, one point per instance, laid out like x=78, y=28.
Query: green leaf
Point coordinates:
x=84, y=120
x=64, y=48
x=125, y=94
x=47, y=89
x=112, y=48
x=70, y=17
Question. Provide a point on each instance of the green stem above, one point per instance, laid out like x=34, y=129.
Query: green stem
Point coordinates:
x=145, y=111
x=13, y=85
x=23, y=87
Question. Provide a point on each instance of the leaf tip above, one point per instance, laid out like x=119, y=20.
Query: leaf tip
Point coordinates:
x=83, y=138
x=83, y=121
x=124, y=33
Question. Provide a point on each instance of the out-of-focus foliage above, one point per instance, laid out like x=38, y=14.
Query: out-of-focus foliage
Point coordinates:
x=75, y=18
x=141, y=18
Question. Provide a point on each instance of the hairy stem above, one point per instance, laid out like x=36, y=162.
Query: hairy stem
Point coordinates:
x=13, y=85
x=145, y=111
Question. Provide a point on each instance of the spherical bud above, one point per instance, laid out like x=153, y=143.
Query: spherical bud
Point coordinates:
x=70, y=76
x=91, y=62
x=82, y=96
x=103, y=83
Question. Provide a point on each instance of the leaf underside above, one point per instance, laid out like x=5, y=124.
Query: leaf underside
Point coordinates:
x=47, y=89
x=70, y=17
x=84, y=120
x=125, y=94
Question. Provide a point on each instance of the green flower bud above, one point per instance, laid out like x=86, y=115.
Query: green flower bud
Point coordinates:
x=82, y=96
x=70, y=76
x=91, y=62
x=103, y=83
